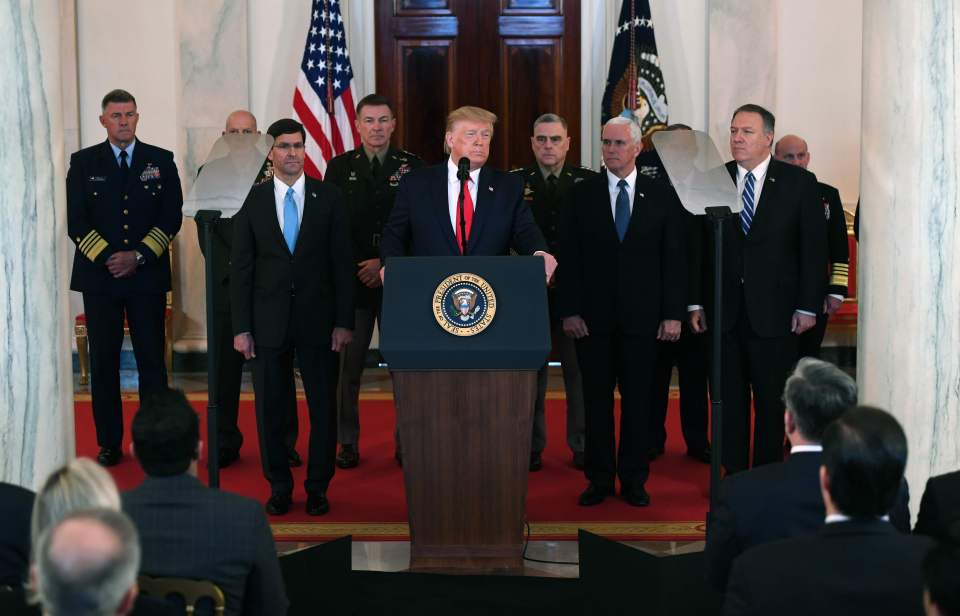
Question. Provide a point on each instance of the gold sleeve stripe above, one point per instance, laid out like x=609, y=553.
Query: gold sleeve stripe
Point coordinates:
x=153, y=245
x=839, y=274
x=88, y=240
x=161, y=237
x=94, y=251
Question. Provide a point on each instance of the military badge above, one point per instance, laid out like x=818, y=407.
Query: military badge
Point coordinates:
x=266, y=174
x=826, y=210
x=401, y=171
x=98, y=178
x=651, y=171
x=527, y=192
x=150, y=172
x=464, y=304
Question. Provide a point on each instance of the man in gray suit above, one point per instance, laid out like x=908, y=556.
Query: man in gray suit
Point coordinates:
x=189, y=530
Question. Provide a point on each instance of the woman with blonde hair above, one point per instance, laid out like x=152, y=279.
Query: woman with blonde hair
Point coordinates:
x=81, y=484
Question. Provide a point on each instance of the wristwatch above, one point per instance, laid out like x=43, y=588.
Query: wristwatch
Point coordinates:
x=141, y=260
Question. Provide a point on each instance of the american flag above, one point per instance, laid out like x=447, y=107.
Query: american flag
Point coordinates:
x=322, y=101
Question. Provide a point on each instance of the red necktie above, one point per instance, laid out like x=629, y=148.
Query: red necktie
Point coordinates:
x=467, y=215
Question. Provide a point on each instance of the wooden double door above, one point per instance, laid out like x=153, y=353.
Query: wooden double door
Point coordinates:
x=517, y=58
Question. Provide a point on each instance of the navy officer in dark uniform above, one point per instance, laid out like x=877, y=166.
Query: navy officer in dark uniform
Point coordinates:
x=368, y=177
x=545, y=185
x=793, y=150
x=230, y=371
x=123, y=210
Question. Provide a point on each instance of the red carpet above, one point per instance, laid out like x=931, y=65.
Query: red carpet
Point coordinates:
x=369, y=502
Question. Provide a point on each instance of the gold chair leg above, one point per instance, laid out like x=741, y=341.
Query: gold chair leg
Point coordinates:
x=83, y=354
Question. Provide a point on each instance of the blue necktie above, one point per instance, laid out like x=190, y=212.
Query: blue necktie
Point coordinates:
x=291, y=224
x=621, y=217
x=746, y=214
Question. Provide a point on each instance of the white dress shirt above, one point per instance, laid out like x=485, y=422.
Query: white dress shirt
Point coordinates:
x=759, y=175
x=612, y=182
x=805, y=448
x=280, y=193
x=453, y=191
x=128, y=150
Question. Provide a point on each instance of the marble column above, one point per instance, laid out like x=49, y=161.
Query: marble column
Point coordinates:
x=213, y=52
x=908, y=359
x=742, y=65
x=36, y=386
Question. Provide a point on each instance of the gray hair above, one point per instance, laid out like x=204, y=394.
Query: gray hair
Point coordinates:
x=816, y=394
x=635, y=132
x=550, y=118
x=87, y=580
x=81, y=484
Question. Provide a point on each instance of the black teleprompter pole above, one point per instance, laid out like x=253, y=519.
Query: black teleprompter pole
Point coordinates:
x=208, y=220
x=716, y=215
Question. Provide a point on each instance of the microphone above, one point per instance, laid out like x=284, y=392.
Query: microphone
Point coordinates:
x=463, y=173
x=463, y=169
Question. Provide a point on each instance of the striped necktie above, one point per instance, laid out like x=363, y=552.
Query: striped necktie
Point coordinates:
x=746, y=214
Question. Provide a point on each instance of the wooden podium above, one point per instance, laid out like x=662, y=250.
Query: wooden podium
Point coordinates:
x=464, y=338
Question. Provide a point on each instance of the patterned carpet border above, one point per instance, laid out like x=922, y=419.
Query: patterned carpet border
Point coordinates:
x=398, y=531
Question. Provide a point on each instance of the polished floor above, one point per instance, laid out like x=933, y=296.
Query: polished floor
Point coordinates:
x=545, y=558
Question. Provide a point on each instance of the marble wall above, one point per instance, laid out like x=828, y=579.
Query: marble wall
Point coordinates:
x=909, y=334
x=36, y=399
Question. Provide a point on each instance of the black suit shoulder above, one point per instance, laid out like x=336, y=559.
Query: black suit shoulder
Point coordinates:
x=16, y=507
x=939, y=515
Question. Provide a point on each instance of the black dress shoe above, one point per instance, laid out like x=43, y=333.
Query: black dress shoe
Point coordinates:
x=317, y=503
x=348, y=457
x=109, y=456
x=593, y=495
x=655, y=452
x=637, y=497
x=578, y=460
x=293, y=458
x=536, y=461
x=702, y=455
x=278, y=504
x=228, y=457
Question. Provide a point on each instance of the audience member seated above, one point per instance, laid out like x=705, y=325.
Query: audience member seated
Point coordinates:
x=16, y=505
x=857, y=563
x=941, y=580
x=779, y=501
x=191, y=531
x=86, y=564
x=940, y=507
x=81, y=484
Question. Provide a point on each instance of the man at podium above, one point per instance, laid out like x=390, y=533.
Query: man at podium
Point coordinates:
x=425, y=220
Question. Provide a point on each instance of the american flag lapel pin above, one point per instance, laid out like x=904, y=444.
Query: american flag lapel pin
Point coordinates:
x=314, y=195
x=490, y=188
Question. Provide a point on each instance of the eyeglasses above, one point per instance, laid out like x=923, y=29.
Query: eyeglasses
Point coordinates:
x=286, y=147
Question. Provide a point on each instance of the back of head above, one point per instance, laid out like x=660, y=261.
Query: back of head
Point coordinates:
x=166, y=434
x=81, y=484
x=816, y=394
x=865, y=454
x=87, y=564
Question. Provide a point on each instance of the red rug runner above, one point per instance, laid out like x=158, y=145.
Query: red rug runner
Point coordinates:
x=368, y=501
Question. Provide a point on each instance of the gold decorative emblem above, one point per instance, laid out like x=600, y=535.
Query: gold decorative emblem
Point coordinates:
x=464, y=304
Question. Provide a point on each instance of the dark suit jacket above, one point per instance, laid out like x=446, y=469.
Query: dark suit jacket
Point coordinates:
x=939, y=515
x=419, y=224
x=630, y=286
x=838, y=250
x=782, y=262
x=772, y=502
x=316, y=281
x=16, y=507
x=848, y=568
x=189, y=530
x=105, y=216
x=222, y=236
x=368, y=201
